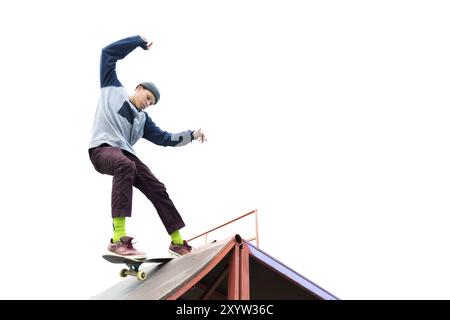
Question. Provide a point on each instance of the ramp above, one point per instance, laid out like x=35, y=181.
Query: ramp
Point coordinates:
x=230, y=269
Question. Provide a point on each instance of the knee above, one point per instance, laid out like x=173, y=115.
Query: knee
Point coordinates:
x=125, y=167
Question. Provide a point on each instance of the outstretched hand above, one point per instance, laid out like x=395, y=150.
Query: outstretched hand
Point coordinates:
x=200, y=135
x=148, y=44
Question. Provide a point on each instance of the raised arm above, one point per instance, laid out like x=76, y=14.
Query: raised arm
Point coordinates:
x=117, y=51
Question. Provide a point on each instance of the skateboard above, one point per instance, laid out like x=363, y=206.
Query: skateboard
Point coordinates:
x=133, y=265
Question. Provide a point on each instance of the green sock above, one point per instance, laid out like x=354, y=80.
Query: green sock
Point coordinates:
x=119, y=229
x=176, y=237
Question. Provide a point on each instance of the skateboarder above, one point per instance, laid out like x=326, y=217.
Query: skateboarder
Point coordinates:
x=120, y=121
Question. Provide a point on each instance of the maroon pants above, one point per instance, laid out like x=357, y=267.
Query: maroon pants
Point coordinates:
x=128, y=171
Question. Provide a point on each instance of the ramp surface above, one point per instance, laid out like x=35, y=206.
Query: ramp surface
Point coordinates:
x=165, y=279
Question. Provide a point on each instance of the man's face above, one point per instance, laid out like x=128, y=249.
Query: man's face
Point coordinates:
x=143, y=98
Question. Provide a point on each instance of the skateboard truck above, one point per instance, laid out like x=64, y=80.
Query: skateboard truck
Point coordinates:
x=133, y=265
x=133, y=270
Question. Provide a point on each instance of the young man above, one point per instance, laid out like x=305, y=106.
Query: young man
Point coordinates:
x=120, y=121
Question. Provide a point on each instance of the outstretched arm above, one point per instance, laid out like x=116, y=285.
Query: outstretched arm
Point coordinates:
x=117, y=51
x=164, y=138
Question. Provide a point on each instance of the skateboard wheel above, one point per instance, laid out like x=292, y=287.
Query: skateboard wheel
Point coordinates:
x=141, y=275
x=123, y=273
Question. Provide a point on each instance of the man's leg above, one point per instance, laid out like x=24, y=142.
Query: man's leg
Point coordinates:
x=112, y=161
x=156, y=192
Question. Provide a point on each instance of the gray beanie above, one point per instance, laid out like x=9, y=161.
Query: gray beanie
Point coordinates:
x=152, y=88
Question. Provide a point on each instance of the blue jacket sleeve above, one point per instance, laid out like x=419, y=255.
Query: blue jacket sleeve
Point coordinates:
x=163, y=138
x=116, y=51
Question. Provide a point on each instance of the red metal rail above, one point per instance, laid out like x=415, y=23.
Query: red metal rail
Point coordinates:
x=255, y=212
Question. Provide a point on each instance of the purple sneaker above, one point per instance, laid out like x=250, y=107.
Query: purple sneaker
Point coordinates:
x=180, y=249
x=125, y=248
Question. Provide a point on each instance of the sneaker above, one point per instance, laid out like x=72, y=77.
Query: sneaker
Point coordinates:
x=125, y=248
x=180, y=249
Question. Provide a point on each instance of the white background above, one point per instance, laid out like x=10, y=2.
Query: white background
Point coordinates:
x=329, y=117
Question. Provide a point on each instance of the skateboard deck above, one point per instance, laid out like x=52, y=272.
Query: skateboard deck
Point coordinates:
x=133, y=265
